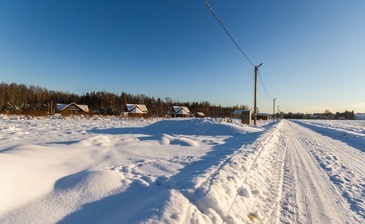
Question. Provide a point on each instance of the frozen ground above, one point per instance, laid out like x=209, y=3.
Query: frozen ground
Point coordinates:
x=109, y=170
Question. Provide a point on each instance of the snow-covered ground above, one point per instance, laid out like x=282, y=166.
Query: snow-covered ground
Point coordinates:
x=111, y=170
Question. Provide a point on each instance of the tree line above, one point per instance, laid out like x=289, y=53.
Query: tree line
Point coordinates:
x=35, y=100
x=347, y=115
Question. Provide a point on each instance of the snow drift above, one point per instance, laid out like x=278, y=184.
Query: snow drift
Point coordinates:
x=112, y=170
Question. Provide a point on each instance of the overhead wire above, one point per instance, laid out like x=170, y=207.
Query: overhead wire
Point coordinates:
x=230, y=36
x=263, y=84
x=224, y=28
x=209, y=27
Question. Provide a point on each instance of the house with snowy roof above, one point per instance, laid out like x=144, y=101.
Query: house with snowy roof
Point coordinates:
x=238, y=113
x=72, y=109
x=263, y=116
x=180, y=111
x=138, y=110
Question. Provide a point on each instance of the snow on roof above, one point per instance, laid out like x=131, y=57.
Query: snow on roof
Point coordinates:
x=83, y=107
x=137, y=108
x=263, y=114
x=130, y=106
x=239, y=111
x=62, y=106
x=181, y=110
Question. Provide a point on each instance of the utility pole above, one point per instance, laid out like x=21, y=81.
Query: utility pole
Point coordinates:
x=121, y=106
x=51, y=109
x=255, y=101
x=273, y=110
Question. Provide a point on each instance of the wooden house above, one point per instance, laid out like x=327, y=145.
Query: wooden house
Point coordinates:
x=72, y=109
x=237, y=113
x=263, y=116
x=180, y=111
x=137, y=110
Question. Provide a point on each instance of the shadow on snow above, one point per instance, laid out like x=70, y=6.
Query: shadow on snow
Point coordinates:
x=353, y=140
x=141, y=201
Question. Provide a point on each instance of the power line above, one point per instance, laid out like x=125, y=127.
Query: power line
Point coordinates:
x=209, y=27
x=263, y=84
x=230, y=36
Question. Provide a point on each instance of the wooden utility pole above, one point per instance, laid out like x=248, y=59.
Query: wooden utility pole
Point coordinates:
x=273, y=110
x=255, y=101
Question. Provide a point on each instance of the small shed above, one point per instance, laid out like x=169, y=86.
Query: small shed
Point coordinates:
x=138, y=110
x=246, y=117
x=180, y=111
x=237, y=113
x=262, y=116
x=72, y=109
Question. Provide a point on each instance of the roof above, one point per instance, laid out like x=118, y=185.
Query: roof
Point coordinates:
x=181, y=110
x=137, y=108
x=239, y=111
x=83, y=107
x=262, y=114
x=62, y=106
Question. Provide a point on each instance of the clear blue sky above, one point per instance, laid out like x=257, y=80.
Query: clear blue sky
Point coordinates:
x=313, y=51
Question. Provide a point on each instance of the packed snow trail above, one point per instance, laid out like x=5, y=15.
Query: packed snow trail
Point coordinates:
x=309, y=195
x=244, y=188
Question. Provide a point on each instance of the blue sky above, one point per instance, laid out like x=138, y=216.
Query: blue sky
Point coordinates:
x=313, y=51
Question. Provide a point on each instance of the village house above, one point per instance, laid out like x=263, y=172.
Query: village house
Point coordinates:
x=72, y=109
x=263, y=116
x=180, y=111
x=135, y=110
x=237, y=113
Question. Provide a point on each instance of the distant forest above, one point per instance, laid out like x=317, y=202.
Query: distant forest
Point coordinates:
x=35, y=100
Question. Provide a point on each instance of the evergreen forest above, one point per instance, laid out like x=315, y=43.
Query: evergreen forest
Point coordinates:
x=35, y=100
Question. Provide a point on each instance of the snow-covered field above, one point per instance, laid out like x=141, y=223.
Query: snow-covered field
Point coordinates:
x=111, y=170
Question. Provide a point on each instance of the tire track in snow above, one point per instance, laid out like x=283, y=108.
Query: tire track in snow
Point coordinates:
x=205, y=185
x=270, y=203
x=308, y=194
x=262, y=164
x=344, y=165
x=218, y=193
x=288, y=206
x=276, y=189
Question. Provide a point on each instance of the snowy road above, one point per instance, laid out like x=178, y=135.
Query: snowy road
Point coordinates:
x=310, y=194
x=112, y=170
